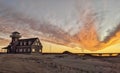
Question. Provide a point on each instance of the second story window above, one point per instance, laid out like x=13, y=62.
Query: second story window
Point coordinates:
x=29, y=42
x=20, y=43
x=24, y=43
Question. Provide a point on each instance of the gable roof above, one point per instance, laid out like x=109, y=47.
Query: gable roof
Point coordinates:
x=29, y=41
x=32, y=40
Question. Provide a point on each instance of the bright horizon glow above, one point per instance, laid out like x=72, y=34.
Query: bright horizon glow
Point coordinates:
x=55, y=48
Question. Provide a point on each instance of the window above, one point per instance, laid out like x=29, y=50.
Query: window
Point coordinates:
x=20, y=43
x=28, y=50
x=29, y=42
x=24, y=49
x=20, y=50
x=24, y=43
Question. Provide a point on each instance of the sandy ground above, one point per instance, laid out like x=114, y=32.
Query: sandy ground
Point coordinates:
x=37, y=63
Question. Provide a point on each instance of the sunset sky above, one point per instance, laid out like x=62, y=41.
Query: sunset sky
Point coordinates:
x=66, y=13
x=58, y=20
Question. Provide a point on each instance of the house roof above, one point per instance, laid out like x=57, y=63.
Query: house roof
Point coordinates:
x=29, y=41
x=6, y=47
x=21, y=42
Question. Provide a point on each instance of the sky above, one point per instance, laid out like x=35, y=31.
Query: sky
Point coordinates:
x=69, y=15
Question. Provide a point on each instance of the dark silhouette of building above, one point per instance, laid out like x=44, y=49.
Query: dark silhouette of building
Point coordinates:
x=18, y=45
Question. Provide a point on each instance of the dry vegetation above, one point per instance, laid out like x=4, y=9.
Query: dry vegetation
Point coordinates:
x=37, y=63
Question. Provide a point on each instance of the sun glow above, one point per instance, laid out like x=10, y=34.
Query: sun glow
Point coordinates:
x=88, y=37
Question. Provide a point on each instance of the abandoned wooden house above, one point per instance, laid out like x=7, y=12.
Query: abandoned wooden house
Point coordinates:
x=18, y=45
